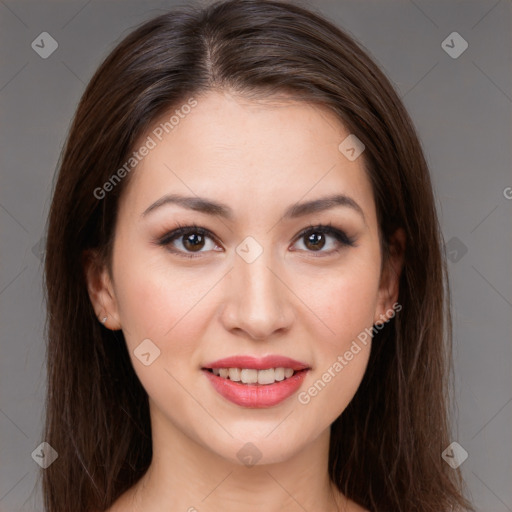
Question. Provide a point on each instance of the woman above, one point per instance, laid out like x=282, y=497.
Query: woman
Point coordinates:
x=246, y=288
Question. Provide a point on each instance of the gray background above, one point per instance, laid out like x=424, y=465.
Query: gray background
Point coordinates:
x=461, y=107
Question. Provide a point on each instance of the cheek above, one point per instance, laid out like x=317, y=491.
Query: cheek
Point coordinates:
x=155, y=300
x=165, y=308
x=346, y=300
x=340, y=358
x=352, y=306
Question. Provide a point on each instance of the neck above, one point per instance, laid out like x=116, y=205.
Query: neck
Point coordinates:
x=187, y=476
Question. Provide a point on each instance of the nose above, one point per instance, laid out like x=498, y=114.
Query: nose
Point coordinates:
x=259, y=302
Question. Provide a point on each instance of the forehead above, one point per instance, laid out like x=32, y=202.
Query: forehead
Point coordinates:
x=249, y=153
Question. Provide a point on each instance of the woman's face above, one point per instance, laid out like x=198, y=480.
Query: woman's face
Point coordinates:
x=245, y=284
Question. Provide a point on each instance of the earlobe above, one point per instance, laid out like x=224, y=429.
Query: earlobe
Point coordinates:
x=390, y=277
x=101, y=290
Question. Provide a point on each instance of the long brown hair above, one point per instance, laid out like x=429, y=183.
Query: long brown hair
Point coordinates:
x=385, y=450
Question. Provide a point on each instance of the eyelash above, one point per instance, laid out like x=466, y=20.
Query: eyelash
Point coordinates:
x=341, y=237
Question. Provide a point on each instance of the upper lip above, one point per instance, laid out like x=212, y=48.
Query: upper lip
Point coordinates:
x=257, y=363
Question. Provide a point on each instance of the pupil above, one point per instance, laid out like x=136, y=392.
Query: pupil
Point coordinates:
x=189, y=242
x=315, y=238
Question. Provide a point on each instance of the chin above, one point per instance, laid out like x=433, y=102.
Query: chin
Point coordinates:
x=254, y=446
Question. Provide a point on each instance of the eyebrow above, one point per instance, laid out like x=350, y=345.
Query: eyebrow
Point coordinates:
x=214, y=208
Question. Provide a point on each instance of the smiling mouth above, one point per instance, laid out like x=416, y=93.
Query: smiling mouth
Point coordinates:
x=255, y=377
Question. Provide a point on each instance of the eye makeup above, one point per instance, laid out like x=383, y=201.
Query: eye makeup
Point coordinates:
x=185, y=235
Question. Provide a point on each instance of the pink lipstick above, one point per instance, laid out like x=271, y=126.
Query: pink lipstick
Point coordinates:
x=256, y=382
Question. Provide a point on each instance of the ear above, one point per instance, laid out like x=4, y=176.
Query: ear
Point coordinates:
x=390, y=277
x=101, y=290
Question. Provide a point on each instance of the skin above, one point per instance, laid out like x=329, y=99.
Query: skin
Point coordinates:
x=258, y=157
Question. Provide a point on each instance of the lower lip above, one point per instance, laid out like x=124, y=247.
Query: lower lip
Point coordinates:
x=256, y=396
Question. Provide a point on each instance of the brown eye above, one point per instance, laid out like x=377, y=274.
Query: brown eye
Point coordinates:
x=316, y=238
x=315, y=241
x=193, y=242
x=187, y=240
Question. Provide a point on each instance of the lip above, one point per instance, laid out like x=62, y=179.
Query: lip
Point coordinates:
x=255, y=363
x=257, y=396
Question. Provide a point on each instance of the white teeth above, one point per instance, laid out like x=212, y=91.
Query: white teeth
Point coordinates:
x=279, y=374
x=266, y=376
x=249, y=376
x=252, y=376
x=234, y=374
